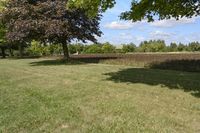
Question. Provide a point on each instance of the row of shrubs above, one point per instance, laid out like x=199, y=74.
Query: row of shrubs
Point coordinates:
x=38, y=49
x=146, y=46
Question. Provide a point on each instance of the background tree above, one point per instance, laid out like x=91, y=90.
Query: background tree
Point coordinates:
x=157, y=45
x=48, y=21
x=92, y=7
x=164, y=9
x=144, y=9
x=181, y=47
x=173, y=47
x=108, y=48
x=76, y=48
x=194, y=46
x=20, y=25
x=152, y=46
x=92, y=49
x=126, y=48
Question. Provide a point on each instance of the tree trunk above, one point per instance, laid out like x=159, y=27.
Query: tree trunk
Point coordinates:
x=65, y=50
x=20, y=50
x=3, y=52
x=11, y=51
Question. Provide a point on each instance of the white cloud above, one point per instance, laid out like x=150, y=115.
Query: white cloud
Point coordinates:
x=173, y=22
x=124, y=38
x=119, y=25
x=122, y=25
x=140, y=38
x=130, y=37
x=155, y=35
x=161, y=34
x=127, y=36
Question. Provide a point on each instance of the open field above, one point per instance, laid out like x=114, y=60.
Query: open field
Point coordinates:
x=46, y=95
x=170, y=61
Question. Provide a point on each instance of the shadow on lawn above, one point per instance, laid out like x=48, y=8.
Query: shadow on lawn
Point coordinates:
x=189, y=82
x=71, y=61
x=179, y=65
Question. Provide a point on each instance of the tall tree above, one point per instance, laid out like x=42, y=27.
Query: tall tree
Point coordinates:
x=49, y=21
x=64, y=25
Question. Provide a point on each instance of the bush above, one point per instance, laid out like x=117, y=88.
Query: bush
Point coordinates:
x=108, y=48
x=95, y=48
x=72, y=49
x=129, y=48
x=37, y=49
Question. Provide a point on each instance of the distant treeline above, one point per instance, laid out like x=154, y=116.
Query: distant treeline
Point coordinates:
x=145, y=46
x=39, y=49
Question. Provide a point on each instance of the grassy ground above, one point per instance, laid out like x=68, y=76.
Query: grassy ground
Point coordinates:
x=49, y=96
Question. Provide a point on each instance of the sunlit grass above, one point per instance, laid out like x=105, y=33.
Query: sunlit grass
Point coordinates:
x=51, y=96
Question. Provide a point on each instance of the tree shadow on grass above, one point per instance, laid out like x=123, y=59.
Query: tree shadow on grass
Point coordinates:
x=180, y=65
x=189, y=82
x=71, y=61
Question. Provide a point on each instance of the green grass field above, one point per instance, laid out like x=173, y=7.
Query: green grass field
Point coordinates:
x=49, y=96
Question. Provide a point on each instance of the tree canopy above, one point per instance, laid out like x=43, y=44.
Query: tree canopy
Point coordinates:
x=144, y=9
x=164, y=9
x=91, y=6
x=48, y=20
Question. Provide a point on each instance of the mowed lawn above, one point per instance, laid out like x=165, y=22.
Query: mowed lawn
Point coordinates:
x=40, y=95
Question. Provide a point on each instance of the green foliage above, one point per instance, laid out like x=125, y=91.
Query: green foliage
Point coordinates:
x=108, y=48
x=91, y=6
x=76, y=48
x=194, y=46
x=153, y=46
x=143, y=9
x=79, y=47
x=2, y=30
x=99, y=48
x=181, y=47
x=163, y=9
x=129, y=48
x=38, y=49
x=173, y=47
x=35, y=48
x=27, y=20
x=2, y=4
x=72, y=49
x=94, y=48
x=55, y=49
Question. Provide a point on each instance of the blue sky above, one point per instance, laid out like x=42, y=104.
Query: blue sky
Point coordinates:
x=119, y=32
